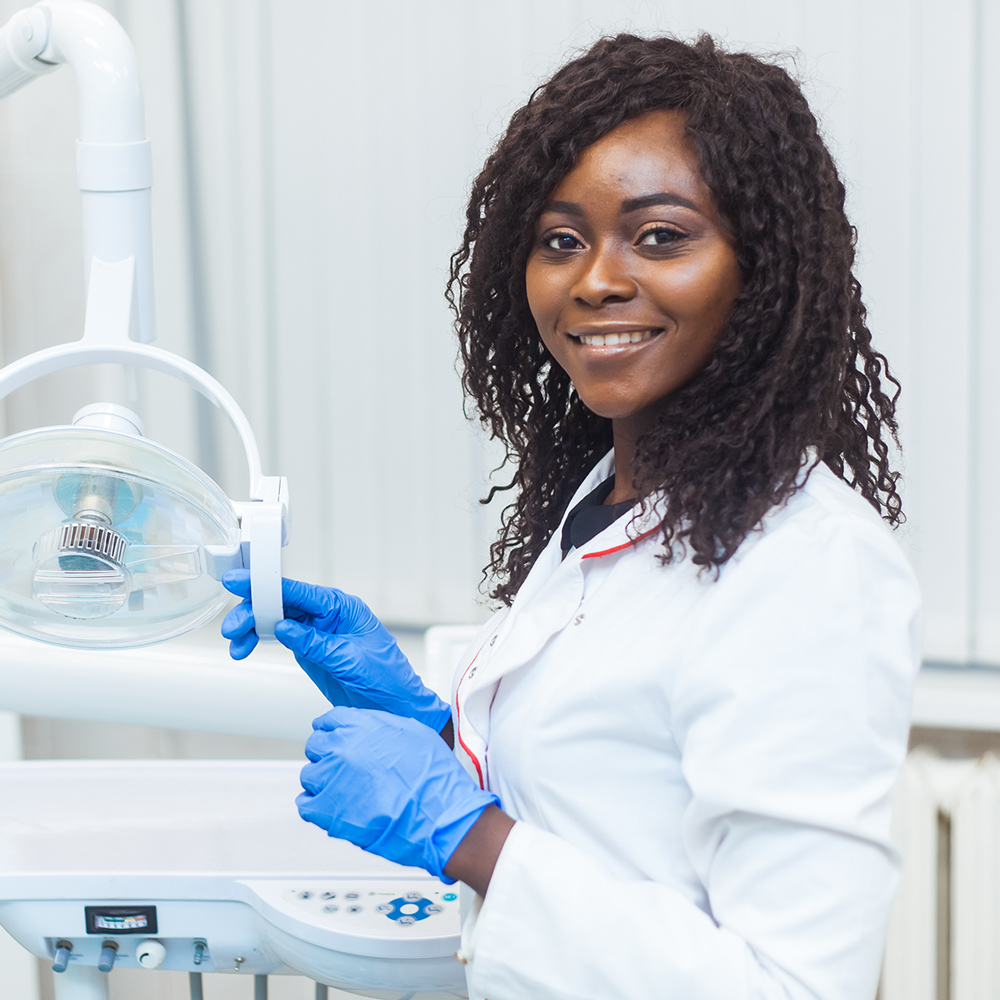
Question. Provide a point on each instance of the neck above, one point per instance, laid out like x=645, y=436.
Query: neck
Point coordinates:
x=625, y=437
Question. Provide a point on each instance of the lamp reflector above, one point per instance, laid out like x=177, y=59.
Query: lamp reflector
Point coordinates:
x=104, y=538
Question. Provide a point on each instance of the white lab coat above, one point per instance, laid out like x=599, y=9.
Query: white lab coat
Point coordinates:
x=700, y=768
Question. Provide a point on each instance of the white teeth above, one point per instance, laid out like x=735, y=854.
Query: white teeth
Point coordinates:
x=611, y=339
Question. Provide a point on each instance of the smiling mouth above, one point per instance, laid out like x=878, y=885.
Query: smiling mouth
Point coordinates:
x=616, y=339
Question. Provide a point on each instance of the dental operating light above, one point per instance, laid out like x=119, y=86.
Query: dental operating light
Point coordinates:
x=108, y=539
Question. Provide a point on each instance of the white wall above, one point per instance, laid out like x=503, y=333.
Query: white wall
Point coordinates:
x=306, y=207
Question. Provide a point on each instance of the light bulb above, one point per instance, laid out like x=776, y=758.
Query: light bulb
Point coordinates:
x=80, y=564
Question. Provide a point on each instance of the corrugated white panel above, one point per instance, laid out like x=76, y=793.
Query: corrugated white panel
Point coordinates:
x=985, y=526
x=941, y=295
x=331, y=148
x=392, y=172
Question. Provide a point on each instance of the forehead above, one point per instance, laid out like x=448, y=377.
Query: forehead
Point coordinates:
x=644, y=155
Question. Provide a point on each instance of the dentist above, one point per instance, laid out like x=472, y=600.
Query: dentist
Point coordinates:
x=666, y=767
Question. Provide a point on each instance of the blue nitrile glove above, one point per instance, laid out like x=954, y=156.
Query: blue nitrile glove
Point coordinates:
x=341, y=645
x=389, y=785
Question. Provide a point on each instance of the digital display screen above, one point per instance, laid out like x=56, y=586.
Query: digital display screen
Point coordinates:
x=120, y=919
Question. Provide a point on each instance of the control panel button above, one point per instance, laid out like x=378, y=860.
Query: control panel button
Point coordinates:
x=352, y=895
x=109, y=952
x=449, y=897
x=328, y=895
x=61, y=959
x=409, y=909
x=355, y=909
x=150, y=953
x=331, y=908
x=305, y=895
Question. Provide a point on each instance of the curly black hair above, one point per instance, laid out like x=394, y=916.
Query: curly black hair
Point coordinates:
x=793, y=370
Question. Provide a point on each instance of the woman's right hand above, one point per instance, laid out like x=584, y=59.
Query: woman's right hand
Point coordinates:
x=341, y=645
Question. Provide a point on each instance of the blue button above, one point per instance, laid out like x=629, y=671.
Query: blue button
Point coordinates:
x=449, y=897
x=408, y=909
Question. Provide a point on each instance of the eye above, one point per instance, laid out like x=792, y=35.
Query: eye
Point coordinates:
x=659, y=236
x=561, y=241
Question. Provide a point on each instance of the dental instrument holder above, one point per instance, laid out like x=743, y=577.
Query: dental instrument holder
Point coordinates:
x=114, y=171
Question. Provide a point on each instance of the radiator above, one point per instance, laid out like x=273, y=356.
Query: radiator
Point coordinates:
x=944, y=932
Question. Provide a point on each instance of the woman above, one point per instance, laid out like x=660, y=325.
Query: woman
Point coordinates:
x=681, y=731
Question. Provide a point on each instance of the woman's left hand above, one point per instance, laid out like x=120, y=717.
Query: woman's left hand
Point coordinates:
x=391, y=786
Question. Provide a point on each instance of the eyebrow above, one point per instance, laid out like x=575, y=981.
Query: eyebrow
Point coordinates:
x=629, y=205
x=661, y=198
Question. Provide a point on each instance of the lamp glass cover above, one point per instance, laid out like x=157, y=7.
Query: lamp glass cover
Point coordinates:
x=107, y=539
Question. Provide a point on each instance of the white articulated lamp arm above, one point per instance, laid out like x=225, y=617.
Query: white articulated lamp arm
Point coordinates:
x=22, y=40
x=114, y=164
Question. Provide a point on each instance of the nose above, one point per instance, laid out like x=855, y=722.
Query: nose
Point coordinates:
x=603, y=278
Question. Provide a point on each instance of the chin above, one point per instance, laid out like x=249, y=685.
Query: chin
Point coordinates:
x=602, y=409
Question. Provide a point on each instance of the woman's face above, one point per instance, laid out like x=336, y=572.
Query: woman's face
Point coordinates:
x=633, y=275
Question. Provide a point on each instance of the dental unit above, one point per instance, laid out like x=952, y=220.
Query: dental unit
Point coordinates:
x=110, y=541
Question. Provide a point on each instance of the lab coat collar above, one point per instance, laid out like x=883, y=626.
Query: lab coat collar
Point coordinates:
x=551, y=556
x=629, y=529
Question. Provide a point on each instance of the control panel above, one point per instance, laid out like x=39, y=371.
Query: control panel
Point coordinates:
x=432, y=907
